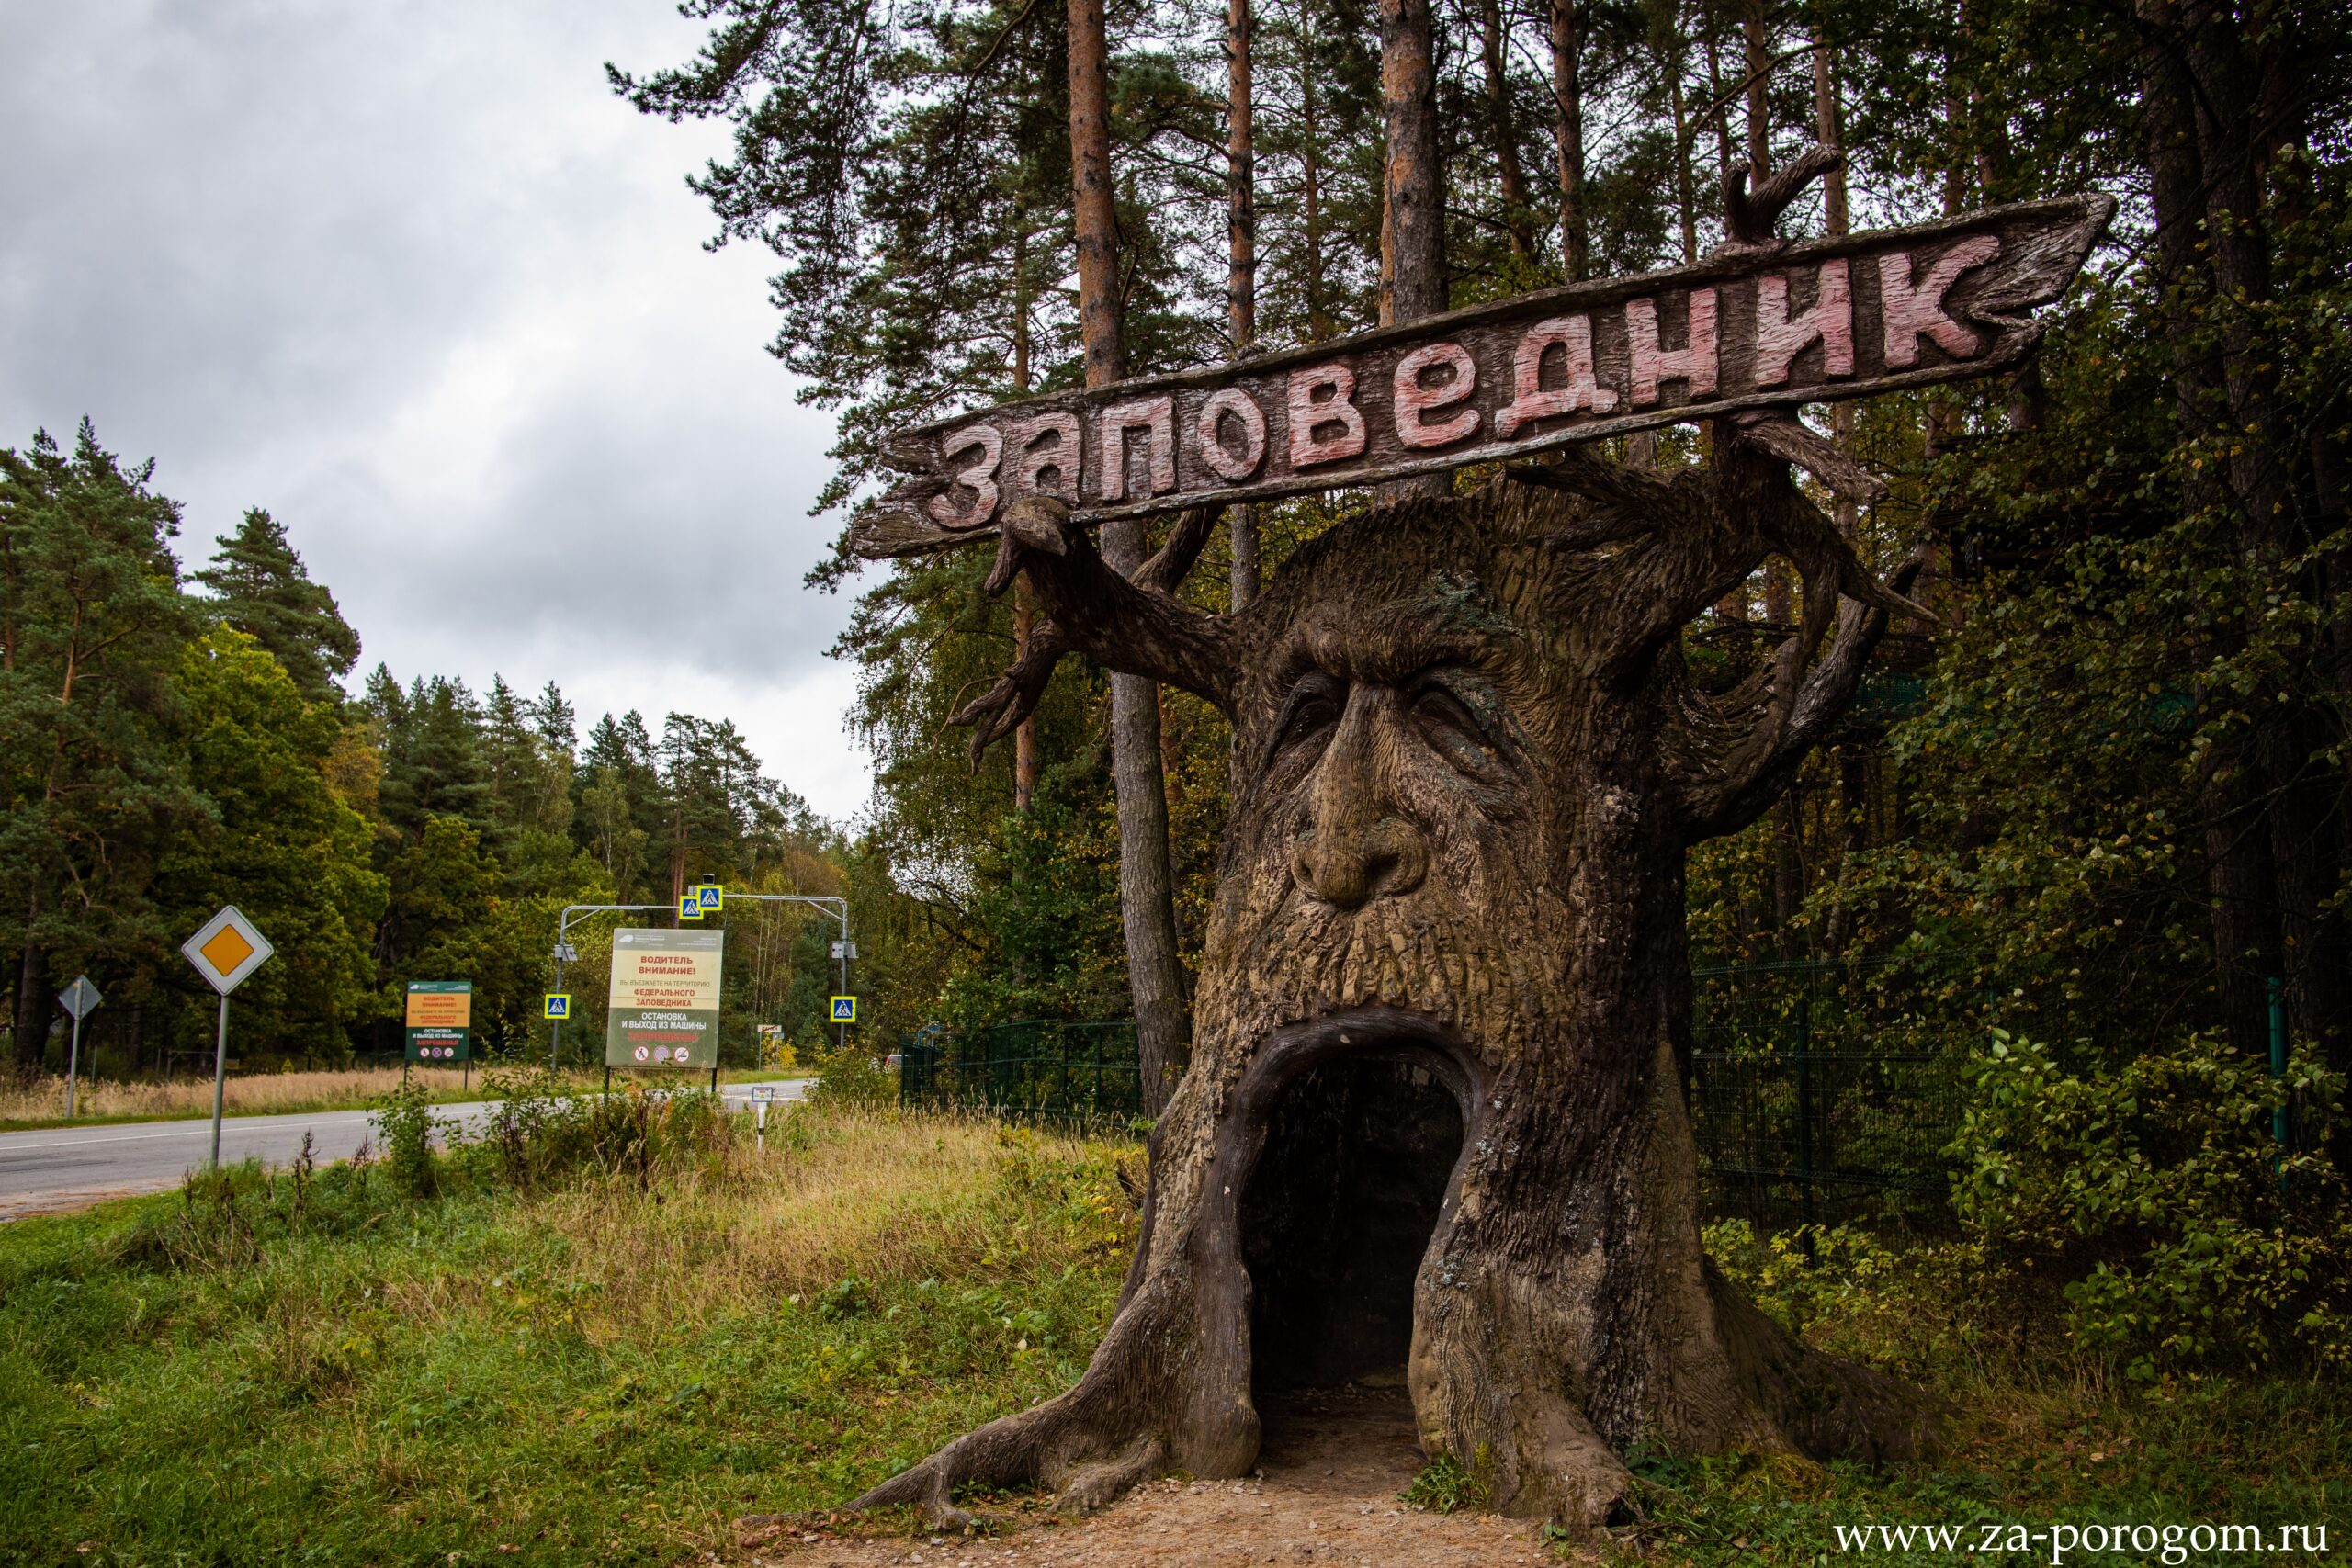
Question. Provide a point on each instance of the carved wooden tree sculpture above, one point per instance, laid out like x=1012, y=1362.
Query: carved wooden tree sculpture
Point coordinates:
x=1474, y=762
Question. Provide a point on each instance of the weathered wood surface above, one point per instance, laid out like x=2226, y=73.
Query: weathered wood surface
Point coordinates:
x=1752, y=327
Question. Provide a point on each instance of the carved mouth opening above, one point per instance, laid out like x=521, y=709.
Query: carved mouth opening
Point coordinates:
x=1360, y=1149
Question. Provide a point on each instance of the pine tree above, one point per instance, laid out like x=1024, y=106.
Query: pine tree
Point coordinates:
x=260, y=586
x=91, y=780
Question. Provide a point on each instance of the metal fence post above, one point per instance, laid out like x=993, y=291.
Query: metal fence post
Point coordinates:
x=2278, y=990
x=1804, y=1106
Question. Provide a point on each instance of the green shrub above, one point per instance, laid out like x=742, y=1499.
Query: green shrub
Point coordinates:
x=850, y=1076
x=2156, y=1200
x=1445, y=1486
x=405, y=1122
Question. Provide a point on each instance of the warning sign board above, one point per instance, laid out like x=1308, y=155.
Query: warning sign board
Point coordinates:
x=663, y=1010
x=440, y=1021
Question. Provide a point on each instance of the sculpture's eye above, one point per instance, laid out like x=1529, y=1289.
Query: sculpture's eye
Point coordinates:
x=1309, y=716
x=1449, y=717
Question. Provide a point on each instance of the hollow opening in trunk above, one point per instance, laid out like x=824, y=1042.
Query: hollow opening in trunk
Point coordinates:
x=1337, y=1217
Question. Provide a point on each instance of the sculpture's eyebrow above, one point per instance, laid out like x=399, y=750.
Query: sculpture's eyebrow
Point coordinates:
x=1388, y=644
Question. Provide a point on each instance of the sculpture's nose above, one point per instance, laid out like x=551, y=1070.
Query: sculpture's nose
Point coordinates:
x=1354, y=847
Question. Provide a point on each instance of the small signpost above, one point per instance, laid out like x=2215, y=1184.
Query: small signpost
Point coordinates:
x=845, y=1009
x=663, y=1007
x=689, y=907
x=558, y=1004
x=711, y=897
x=440, y=1023
x=225, y=950
x=79, y=999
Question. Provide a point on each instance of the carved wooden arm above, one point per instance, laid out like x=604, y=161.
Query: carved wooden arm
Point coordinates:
x=1136, y=627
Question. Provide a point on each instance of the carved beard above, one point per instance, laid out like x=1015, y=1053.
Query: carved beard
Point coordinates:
x=1426, y=951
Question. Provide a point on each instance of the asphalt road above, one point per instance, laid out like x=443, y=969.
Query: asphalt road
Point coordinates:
x=65, y=1167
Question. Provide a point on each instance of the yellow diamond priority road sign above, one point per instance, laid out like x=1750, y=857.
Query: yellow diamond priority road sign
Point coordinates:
x=228, y=948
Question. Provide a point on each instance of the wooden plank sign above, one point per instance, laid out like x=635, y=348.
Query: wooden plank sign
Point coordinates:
x=1749, y=328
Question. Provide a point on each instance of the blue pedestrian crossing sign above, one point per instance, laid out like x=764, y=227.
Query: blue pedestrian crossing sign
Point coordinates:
x=710, y=895
x=845, y=1009
x=689, y=907
x=557, y=1005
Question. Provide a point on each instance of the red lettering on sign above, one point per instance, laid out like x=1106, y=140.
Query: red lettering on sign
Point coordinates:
x=1578, y=389
x=1157, y=418
x=990, y=446
x=1032, y=463
x=1780, y=337
x=1309, y=414
x=1694, y=363
x=1242, y=409
x=1913, y=311
x=1416, y=401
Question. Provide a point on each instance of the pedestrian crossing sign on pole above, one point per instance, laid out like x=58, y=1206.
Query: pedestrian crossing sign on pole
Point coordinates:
x=710, y=895
x=557, y=1005
x=689, y=907
x=845, y=1009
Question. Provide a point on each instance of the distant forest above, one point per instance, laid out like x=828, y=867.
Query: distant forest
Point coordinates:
x=171, y=742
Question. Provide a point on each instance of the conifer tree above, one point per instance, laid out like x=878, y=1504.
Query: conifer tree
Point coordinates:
x=260, y=586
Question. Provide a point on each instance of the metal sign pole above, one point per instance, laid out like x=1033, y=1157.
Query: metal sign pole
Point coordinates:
x=73, y=1066
x=221, y=1077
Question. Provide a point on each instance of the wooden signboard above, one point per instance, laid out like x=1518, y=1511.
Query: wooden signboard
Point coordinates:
x=1749, y=328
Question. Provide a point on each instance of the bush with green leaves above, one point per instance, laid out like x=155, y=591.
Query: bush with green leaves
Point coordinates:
x=850, y=1076
x=2155, y=1199
x=405, y=1122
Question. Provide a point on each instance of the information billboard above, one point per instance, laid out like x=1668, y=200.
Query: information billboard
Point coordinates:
x=440, y=1021
x=663, y=1010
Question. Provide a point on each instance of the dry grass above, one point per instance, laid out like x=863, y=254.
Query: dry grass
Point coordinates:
x=261, y=1094
x=884, y=1196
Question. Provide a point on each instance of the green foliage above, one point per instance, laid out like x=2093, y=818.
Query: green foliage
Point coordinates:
x=261, y=587
x=2155, y=1198
x=1443, y=1486
x=406, y=1125
x=276, y=841
x=625, y=1369
x=850, y=1076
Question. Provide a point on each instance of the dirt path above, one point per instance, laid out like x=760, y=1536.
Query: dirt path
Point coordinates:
x=1325, y=1496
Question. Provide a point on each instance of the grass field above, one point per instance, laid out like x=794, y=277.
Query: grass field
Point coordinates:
x=41, y=1101
x=612, y=1367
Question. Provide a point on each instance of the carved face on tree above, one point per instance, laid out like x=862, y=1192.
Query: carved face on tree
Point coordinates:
x=1399, y=808
x=1468, y=763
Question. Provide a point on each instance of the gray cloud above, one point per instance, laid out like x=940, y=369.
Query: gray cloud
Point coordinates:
x=408, y=276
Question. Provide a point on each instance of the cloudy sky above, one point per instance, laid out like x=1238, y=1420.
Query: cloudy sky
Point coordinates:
x=407, y=274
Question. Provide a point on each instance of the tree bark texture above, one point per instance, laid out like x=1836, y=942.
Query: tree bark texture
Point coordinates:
x=1475, y=764
x=1241, y=279
x=1146, y=902
x=1568, y=100
x=1412, y=277
x=1508, y=174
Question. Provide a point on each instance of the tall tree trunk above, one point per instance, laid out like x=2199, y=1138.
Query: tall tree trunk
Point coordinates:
x=1567, y=101
x=1147, y=898
x=33, y=998
x=1241, y=274
x=1413, y=280
x=1759, y=94
x=1508, y=174
x=2273, y=832
x=1686, y=194
x=1320, y=324
x=1830, y=131
x=1025, y=762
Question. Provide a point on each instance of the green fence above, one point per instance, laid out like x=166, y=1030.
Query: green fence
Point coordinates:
x=1830, y=1091
x=1819, y=1091
x=1046, y=1069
